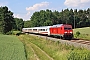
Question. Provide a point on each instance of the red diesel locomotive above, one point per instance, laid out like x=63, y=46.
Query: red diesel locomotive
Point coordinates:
x=65, y=31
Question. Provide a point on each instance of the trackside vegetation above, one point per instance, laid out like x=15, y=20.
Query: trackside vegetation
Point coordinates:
x=39, y=48
x=79, y=55
x=11, y=48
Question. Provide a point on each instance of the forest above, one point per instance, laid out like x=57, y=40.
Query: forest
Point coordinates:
x=77, y=18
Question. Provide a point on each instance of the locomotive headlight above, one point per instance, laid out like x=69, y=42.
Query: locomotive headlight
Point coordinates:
x=65, y=32
x=70, y=32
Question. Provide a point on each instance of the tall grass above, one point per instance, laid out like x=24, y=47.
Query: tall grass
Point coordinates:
x=33, y=51
x=11, y=48
x=55, y=50
x=79, y=55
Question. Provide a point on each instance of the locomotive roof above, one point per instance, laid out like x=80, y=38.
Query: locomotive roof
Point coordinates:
x=58, y=25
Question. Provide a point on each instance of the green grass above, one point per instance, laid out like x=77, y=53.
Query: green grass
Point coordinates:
x=79, y=55
x=84, y=33
x=15, y=32
x=11, y=48
x=32, y=49
x=85, y=30
x=55, y=50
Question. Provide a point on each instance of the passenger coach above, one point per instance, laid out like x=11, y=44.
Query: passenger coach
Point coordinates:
x=39, y=30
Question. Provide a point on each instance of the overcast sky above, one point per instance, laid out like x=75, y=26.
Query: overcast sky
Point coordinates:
x=25, y=8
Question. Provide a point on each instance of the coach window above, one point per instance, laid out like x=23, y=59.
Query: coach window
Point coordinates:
x=39, y=29
x=30, y=29
x=34, y=29
x=43, y=29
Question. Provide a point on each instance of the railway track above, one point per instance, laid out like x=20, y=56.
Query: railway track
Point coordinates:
x=81, y=41
x=74, y=42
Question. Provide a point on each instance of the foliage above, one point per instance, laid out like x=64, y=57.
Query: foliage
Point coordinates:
x=19, y=24
x=27, y=24
x=77, y=33
x=15, y=32
x=80, y=18
x=55, y=50
x=11, y=48
x=79, y=55
x=6, y=20
x=41, y=18
x=33, y=51
x=9, y=33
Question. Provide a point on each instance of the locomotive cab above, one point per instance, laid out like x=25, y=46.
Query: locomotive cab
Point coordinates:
x=63, y=30
x=68, y=32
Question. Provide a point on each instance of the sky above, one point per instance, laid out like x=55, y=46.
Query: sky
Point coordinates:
x=25, y=8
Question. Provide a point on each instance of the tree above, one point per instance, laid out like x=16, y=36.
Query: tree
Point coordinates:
x=56, y=18
x=77, y=18
x=27, y=24
x=19, y=24
x=40, y=18
x=6, y=20
x=82, y=18
x=71, y=17
x=66, y=15
x=48, y=23
x=62, y=17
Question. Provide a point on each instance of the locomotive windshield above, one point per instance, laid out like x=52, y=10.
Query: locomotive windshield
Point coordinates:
x=67, y=28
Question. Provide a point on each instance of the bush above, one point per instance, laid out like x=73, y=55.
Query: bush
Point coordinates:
x=77, y=33
x=17, y=34
x=9, y=33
